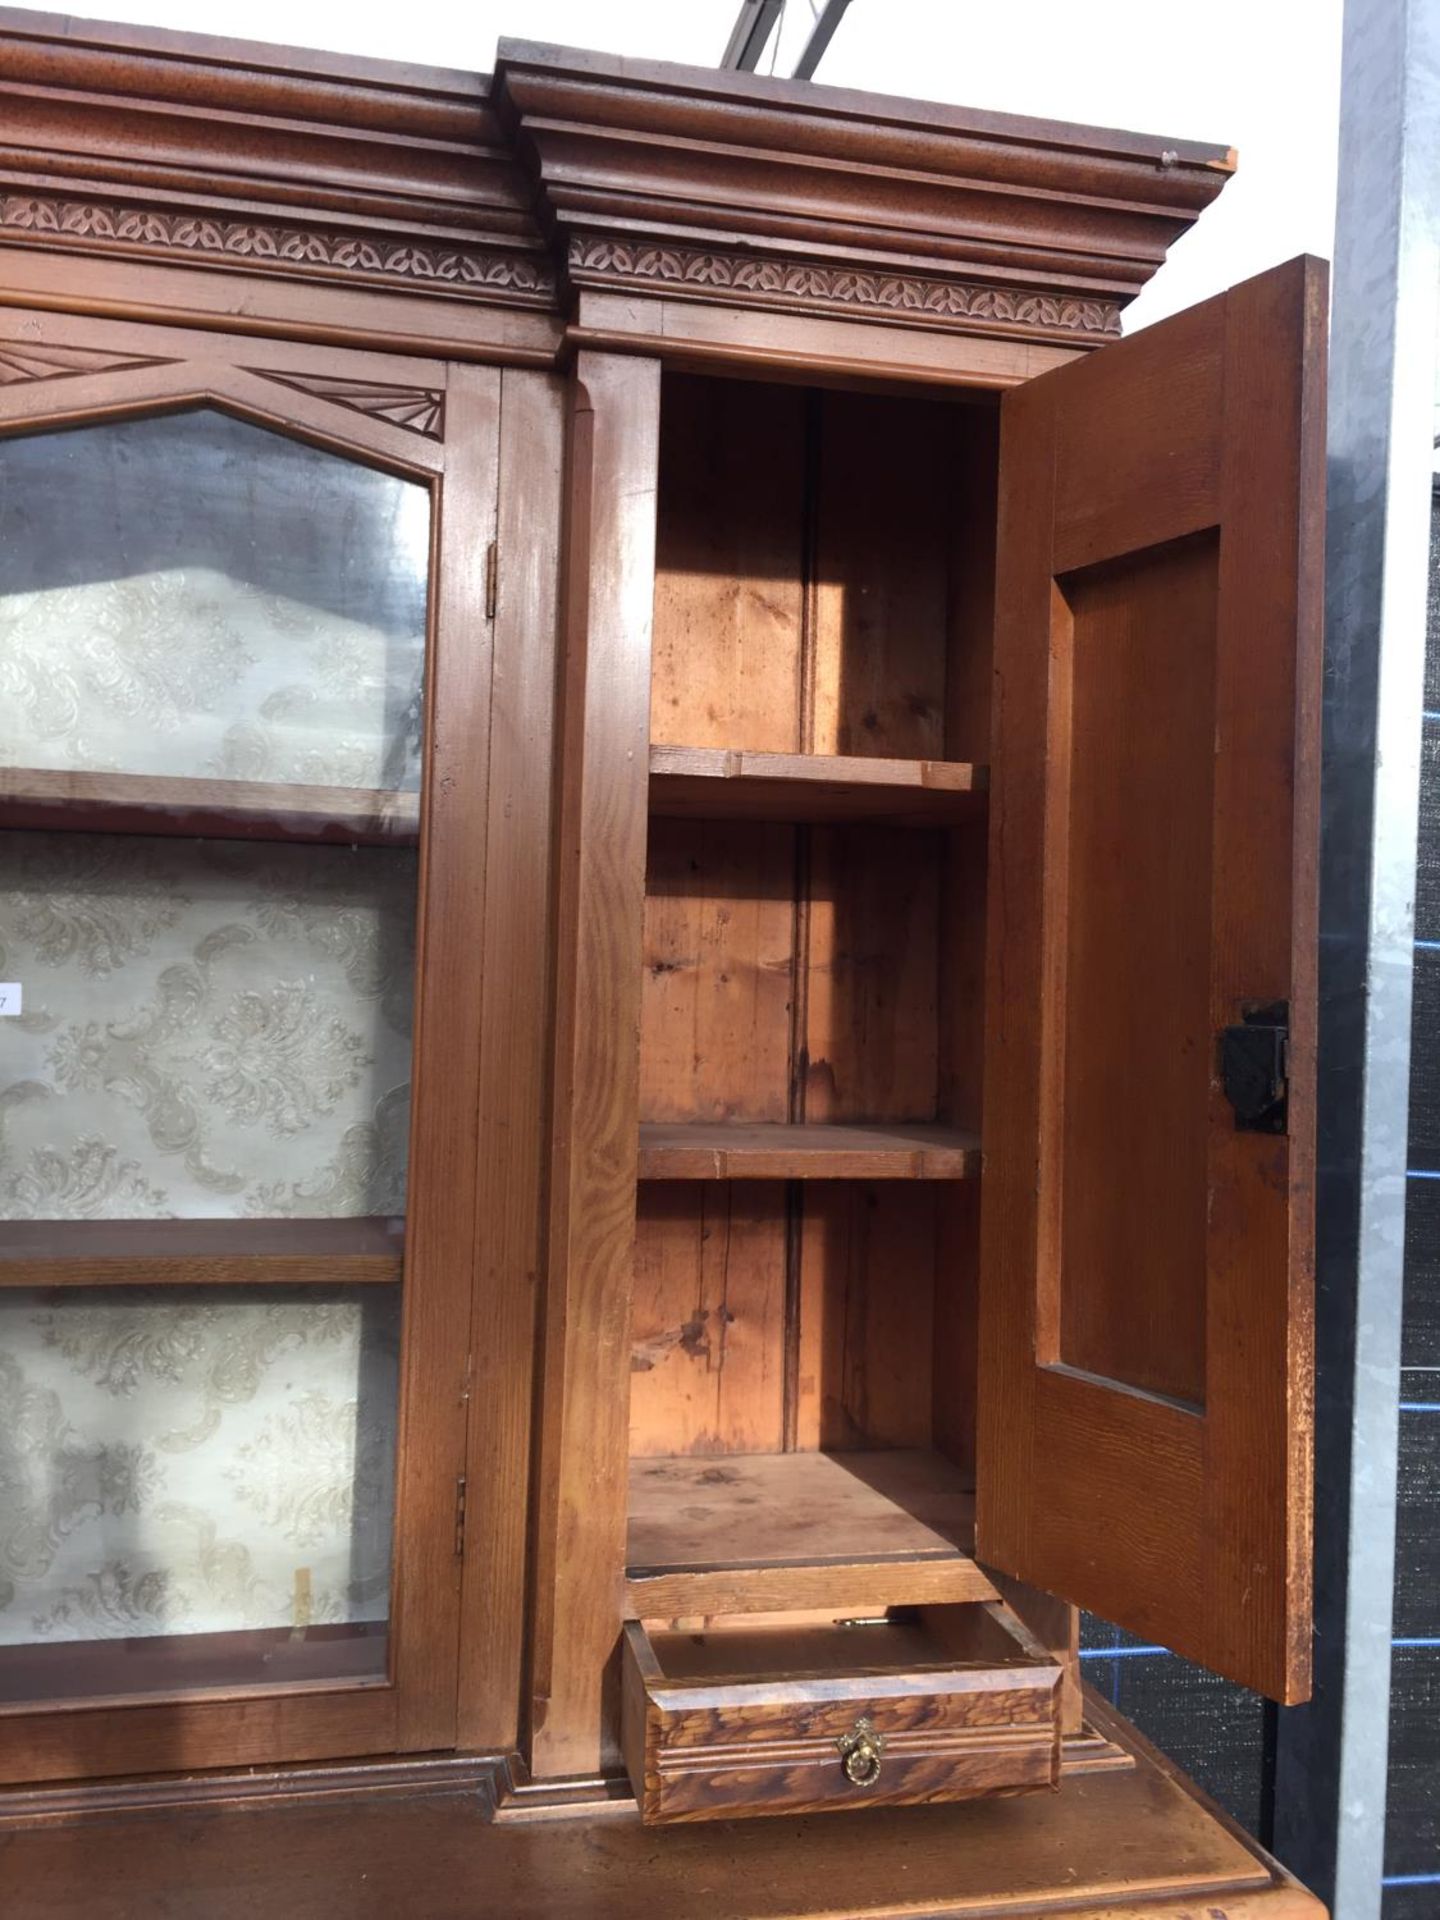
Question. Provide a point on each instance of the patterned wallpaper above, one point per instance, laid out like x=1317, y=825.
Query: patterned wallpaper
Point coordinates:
x=209, y=1027
x=171, y=1459
x=190, y=594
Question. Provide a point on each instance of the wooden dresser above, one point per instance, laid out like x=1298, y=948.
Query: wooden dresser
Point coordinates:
x=659, y=894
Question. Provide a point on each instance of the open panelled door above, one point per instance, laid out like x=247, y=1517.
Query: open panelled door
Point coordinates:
x=1146, y=1303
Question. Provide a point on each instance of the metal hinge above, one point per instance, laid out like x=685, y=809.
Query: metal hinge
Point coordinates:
x=1255, y=1067
x=459, y=1516
x=492, y=578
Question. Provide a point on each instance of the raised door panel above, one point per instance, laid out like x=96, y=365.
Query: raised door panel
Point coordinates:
x=1145, y=1379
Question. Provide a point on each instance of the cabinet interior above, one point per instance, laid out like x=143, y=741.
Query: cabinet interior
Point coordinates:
x=813, y=975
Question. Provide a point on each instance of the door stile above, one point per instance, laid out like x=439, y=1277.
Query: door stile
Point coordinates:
x=438, y=1280
x=517, y=988
x=579, y=1548
x=1271, y=576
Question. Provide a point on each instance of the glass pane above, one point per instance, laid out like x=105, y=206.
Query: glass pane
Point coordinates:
x=205, y=1052
x=210, y=1028
x=191, y=595
x=195, y=1486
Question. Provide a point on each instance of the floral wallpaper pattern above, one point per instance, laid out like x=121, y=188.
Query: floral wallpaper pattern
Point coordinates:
x=171, y=1459
x=190, y=594
x=209, y=1027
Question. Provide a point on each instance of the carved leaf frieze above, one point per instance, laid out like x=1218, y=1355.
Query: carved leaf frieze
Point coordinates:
x=419, y=409
x=19, y=363
x=765, y=281
x=845, y=287
x=261, y=243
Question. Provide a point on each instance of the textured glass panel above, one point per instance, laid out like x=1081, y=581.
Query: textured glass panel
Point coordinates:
x=192, y=595
x=210, y=1028
x=194, y=1482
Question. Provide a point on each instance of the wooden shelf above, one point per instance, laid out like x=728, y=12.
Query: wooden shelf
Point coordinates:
x=256, y=1660
x=771, y=1152
x=205, y=809
x=713, y=783
x=746, y=1533
x=206, y=1253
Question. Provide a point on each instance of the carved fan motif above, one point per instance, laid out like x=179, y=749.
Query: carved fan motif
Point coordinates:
x=420, y=409
x=19, y=363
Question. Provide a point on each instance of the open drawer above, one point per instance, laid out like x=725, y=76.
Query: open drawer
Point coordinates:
x=795, y=1715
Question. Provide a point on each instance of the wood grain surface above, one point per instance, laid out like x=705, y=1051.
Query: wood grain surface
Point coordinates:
x=1143, y=730
x=579, y=1515
x=729, y=582
x=812, y=955
x=737, y=1152
x=719, y=783
x=252, y=1661
x=1136, y=1842
x=441, y=1219
x=208, y=809
x=708, y=1318
x=200, y=1253
x=516, y=1000
x=750, y=1719
x=743, y=1511
x=1171, y=1493
x=859, y=1586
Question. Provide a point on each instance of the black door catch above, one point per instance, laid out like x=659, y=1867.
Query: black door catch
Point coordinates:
x=1255, y=1068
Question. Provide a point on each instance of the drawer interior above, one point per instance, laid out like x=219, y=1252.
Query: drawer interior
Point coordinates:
x=902, y=1640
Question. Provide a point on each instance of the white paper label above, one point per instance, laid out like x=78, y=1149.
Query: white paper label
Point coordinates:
x=9, y=996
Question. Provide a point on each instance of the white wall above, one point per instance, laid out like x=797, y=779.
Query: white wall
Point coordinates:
x=1258, y=75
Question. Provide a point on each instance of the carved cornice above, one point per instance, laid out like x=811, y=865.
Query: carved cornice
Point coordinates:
x=273, y=247
x=569, y=170
x=775, y=194
x=702, y=273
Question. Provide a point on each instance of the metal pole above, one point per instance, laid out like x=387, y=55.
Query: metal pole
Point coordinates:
x=750, y=34
x=821, y=34
x=1331, y=1756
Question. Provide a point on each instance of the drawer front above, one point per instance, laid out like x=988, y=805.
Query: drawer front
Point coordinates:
x=702, y=1752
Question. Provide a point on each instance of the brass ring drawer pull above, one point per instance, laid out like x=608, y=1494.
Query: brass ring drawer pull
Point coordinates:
x=860, y=1752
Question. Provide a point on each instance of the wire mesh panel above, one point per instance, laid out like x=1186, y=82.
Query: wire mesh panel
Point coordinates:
x=1412, y=1837
x=1214, y=1730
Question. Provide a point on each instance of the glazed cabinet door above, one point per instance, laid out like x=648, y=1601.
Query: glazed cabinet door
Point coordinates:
x=244, y=655
x=1146, y=1393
